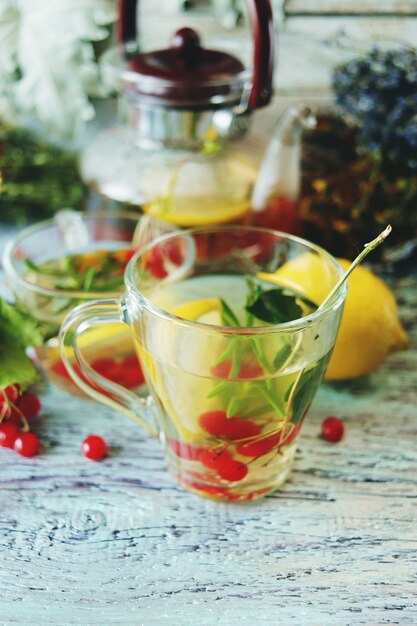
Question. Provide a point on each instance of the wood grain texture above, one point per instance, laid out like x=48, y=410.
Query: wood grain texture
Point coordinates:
x=118, y=542
x=350, y=7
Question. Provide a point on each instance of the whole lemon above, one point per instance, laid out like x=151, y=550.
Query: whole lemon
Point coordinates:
x=370, y=328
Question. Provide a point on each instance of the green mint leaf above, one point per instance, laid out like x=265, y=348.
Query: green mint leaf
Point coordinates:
x=17, y=332
x=18, y=329
x=218, y=389
x=272, y=397
x=275, y=307
x=15, y=366
x=306, y=390
x=89, y=279
x=281, y=356
x=227, y=315
x=233, y=406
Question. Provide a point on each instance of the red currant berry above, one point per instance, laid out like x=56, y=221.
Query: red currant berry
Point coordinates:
x=102, y=366
x=94, y=447
x=29, y=404
x=8, y=434
x=173, y=251
x=332, y=429
x=114, y=373
x=258, y=448
x=128, y=254
x=233, y=471
x=155, y=263
x=213, y=459
x=15, y=416
x=291, y=434
x=59, y=369
x=26, y=444
x=221, y=370
x=132, y=371
x=12, y=392
x=184, y=450
x=219, y=425
x=5, y=409
x=247, y=370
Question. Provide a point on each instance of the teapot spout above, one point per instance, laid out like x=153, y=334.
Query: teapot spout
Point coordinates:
x=277, y=186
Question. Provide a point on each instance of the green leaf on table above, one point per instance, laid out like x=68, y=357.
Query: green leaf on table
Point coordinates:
x=275, y=306
x=16, y=367
x=22, y=330
x=17, y=332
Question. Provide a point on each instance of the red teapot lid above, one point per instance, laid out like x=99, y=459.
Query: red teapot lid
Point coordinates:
x=188, y=76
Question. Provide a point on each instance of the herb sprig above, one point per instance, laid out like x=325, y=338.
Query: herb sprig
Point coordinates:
x=101, y=271
x=272, y=306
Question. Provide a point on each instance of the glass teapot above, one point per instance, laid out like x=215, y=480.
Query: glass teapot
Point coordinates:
x=183, y=108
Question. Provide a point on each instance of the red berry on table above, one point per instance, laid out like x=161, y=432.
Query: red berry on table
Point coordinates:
x=26, y=444
x=332, y=429
x=29, y=404
x=12, y=392
x=5, y=409
x=94, y=447
x=15, y=416
x=8, y=434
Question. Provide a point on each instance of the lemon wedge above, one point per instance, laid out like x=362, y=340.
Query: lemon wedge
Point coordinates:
x=206, y=310
x=306, y=274
x=183, y=393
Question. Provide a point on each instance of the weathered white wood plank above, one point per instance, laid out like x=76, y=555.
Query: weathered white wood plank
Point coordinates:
x=340, y=7
x=310, y=47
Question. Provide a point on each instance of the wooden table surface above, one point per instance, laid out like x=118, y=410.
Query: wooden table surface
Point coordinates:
x=118, y=542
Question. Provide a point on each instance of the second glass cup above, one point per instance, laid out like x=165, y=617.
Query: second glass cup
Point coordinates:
x=232, y=347
x=56, y=264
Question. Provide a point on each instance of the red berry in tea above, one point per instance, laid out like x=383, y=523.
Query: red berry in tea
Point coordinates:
x=217, y=423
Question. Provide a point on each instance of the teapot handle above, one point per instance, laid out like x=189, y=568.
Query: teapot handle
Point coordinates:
x=126, y=32
x=263, y=35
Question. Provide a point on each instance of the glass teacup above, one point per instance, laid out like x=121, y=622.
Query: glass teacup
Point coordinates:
x=228, y=388
x=55, y=265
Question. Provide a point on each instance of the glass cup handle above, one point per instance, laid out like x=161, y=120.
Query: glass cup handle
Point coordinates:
x=80, y=319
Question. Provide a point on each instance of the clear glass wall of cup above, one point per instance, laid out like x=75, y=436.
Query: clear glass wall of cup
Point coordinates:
x=228, y=393
x=54, y=265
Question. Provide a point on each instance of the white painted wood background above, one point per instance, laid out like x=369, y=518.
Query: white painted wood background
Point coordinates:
x=313, y=35
x=117, y=542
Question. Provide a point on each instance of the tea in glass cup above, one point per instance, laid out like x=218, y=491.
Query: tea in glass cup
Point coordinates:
x=54, y=265
x=232, y=353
